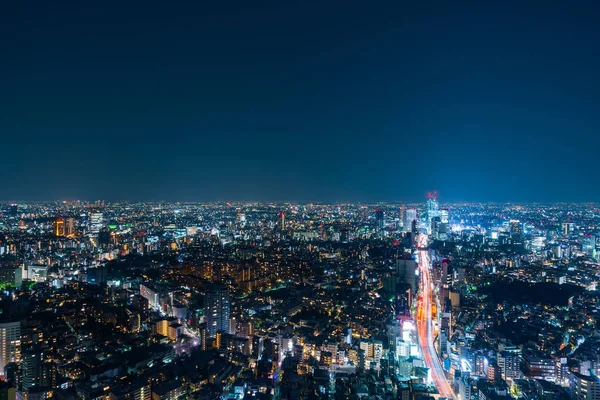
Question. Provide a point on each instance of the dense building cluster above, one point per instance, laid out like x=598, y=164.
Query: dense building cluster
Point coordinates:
x=297, y=301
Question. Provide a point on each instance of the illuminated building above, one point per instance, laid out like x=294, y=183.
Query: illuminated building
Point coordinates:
x=568, y=228
x=510, y=364
x=282, y=223
x=31, y=367
x=379, y=219
x=515, y=227
x=59, y=227
x=150, y=295
x=537, y=366
x=444, y=215
x=589, y=244
x=584, y=387
x=432, y=209
x=11, y=276
x=10, y=344
x=70, y=227
x=373, y=351
x=96, y=222
x=216, y=310
x=174, y=331
x=409, y=215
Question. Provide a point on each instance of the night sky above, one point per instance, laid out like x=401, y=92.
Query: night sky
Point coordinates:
x=299, y=100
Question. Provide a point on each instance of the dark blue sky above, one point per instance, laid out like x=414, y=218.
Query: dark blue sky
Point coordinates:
x=299, y=100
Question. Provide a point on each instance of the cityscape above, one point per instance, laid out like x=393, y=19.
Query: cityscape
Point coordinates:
x=299, y=301
x=299, y=200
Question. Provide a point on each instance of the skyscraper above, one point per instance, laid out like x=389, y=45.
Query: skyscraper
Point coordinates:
x=10, y=344
x=515, y=227
x=444, y=215
x=510, y=364
x=216, y=309
x=589, y=244
x=59, y=227
x=31, y=367
x=406, y=270
x=282, y=216
x=379, y=219
x=70, y=227
x=96, y=222
x=432, y=209
x=410, y=214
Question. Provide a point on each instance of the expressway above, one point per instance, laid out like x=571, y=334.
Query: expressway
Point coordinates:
x=425, y=330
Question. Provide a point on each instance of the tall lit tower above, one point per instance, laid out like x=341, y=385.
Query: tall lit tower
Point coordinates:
x=408, y=216
x=10, y=344
x=282, y=216
x=216, y=310
x=70, y=227
x=432, y=209
x=96, y=222
x=379, y=219
x=59, y=226
x=444, y=215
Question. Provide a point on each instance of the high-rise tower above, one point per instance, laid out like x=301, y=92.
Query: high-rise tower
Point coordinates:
x=410, y=214
x=216, y=309
x=432, y=209
x=59, y=227
x=10, y=344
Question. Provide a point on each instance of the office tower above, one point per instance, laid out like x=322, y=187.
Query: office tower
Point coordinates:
x=436, y=227
x=11, y=276
x=432, y=209
x=48, y=375
x=282, y=220
x=568, y=228
x=373, y=352
x=70, y=227
x=467, y=388
x=10, y=344
x=481, y=365
x=515, y=227
x=510, y=364
x=406, y=270
x=537, y=365
x=150, y=295
x=216, y=309
x=203, y=337
x=96, y=222
x=589, y=244
x=584, y=387
x=410, y=214
x=379, y=219
x=31, y=367
x=444, y=215
x=59, y=227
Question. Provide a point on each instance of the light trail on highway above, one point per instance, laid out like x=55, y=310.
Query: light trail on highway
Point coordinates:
x=425, y=330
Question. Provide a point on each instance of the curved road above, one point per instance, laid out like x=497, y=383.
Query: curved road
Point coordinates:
x=425, y=330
